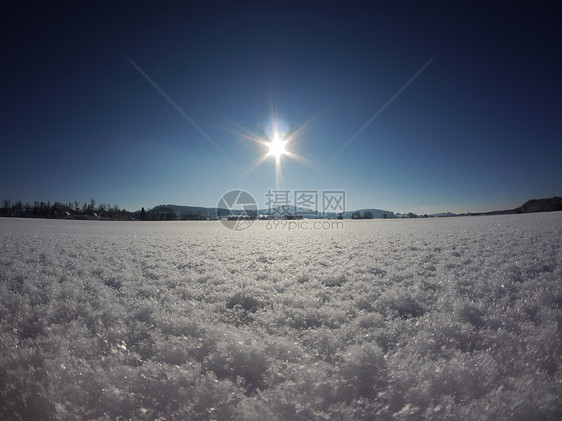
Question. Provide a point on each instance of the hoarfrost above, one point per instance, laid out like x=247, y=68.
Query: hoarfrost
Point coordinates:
x=443, y=318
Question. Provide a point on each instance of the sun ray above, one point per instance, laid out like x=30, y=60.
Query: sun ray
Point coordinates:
x=308, y=124
x=244, y=132
x=278, y=172
x=277, y=140
x=301, y=159
x=248, y=168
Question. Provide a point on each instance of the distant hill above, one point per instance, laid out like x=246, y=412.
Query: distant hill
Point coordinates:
x=167, y=212
x=534, y=205
x=541, y=205
x=164, y=212
x=170, y=212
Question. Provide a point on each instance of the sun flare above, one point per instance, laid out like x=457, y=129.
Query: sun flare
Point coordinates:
x=277, y=147
x=277, y=141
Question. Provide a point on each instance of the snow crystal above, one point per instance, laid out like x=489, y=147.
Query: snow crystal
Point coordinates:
x=385, y=319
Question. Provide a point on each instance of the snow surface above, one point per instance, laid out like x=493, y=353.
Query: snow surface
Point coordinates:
x=454, y=318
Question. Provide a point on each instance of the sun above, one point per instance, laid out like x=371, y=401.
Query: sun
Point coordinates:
x=277, y=141
x=277, y=147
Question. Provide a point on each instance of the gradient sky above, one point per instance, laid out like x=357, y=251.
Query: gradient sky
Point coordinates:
x=479, y=129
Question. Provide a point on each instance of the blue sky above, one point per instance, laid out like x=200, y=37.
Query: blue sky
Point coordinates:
x=477, y=130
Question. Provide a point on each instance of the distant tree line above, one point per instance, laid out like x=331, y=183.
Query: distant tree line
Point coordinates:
x=105, y=211
x=369, y=215
x=166, y=213
x=60, y=210
x=91, y=210
x=366, y=215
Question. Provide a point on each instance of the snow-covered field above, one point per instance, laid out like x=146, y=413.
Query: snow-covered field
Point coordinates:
x=456, y=318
